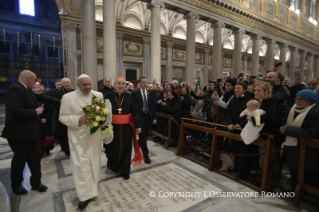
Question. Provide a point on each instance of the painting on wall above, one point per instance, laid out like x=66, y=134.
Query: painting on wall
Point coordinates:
x=303, y=27
x=227, y=63
x=293, y=22
x=254, y=5
x=163, y=53
x=303, y=7
x=282, y=16
x=177, y=73
x=76, y=5
x=134, y=49
x=179, y=55
x=311, y=31
x=99, y=44
x=199, y=58
x=270, y=10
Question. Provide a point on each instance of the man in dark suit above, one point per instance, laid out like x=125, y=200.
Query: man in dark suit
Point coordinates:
x=107, y=86
x=55, y=114
x=22, y=131
x=62, y=129
x=144, y=102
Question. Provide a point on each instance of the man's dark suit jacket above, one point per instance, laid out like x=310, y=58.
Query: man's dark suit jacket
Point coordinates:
x=59, y=94
x=21, y=117
x=138, y=100
x=105, y=89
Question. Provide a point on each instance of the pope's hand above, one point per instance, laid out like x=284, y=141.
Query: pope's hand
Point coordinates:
x=83, y=120
x=138, y=130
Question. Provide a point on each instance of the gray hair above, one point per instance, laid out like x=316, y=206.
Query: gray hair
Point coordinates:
x=65, y=79
x=175, y=81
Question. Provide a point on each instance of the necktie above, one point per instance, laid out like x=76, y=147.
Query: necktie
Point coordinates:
x=145, y=103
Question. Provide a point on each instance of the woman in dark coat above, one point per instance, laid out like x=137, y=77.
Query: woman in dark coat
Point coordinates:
x=302, y=122
x=210, y=110
x=186, y=103
x=172, y=106
x=235, y=106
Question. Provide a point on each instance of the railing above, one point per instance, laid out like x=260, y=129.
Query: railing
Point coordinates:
x=301, y=186
x=169, y=140
x=214, y=163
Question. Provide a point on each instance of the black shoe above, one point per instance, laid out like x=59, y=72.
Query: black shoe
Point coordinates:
x=19, y=190
x=83, y=204
x=125, y=176
x=147, y=160
x=40, y=188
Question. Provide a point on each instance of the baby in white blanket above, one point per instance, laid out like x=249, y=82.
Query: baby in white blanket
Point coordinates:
x=251, y=132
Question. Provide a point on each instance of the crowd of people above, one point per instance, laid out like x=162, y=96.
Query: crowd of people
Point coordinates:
x=273, y=104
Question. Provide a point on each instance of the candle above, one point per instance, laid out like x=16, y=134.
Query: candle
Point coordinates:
x=18, y=38
x=31, y=39
x=39, y=43
x=53, y=44
x=4, y=36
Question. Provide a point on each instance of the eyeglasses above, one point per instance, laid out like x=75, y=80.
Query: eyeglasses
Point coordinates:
x=299, y=99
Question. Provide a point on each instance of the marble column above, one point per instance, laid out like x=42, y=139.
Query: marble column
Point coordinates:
x=237, y=59
x=309, y=72
x=270, y=54
x=302, y=66
x=89, y=41
x=283, y=53
x=292, y=63
x=246, y=65
x=217, y=65
x=155, y=7
x=119, y=51
x=109, y=39
x=147, y=56
x=255, y=55
x=206, y=69
x=169, y=59
x=316, y=66
x=190, y=47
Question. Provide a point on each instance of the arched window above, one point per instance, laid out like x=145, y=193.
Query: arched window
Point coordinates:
x=26, y=7
x=293, y=4
x=311, y=14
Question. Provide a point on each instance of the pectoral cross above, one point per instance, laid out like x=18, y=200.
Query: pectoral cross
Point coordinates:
x=120, y=110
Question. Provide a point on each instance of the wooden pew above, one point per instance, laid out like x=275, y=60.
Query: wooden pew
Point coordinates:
x=266, y=171
x=214, y=163
x=302, y=187
x=169, y=139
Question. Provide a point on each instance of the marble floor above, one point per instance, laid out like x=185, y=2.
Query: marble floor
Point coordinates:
x=167, y=172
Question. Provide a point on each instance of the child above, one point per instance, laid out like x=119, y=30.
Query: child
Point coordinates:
x=251, y=132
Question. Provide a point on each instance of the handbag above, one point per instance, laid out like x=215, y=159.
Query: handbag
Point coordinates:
x=48, y=140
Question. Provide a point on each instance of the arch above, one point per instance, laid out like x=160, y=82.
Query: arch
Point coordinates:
x=163, y=29
x=179, y=32
x=132, y=20
x=99, y=12
x=199, y=37
x=229, y=44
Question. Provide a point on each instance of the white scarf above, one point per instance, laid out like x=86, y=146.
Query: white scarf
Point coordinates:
x=297, y=122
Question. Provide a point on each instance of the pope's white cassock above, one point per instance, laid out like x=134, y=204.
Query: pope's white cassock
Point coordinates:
x=85, y=149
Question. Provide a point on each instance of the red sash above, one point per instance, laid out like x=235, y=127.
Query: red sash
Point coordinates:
x=127, y=119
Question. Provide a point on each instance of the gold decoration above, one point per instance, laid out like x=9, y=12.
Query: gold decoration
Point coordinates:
x=3, y=79
x=250, y=20
x=39, y=80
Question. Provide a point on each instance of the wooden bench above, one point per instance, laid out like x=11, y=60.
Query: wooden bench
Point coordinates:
x=168, y=139
x=215, y=163
x=301, y=186
x=266, y=171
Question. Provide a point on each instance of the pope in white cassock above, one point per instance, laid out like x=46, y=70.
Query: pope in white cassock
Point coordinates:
x=85, y=149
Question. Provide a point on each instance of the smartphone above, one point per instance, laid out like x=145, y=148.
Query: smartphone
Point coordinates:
x=297, y=73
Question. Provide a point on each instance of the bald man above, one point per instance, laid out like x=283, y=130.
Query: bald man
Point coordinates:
x=22, y=131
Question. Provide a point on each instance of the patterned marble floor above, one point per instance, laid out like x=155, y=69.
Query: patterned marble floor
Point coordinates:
x=165, y=172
